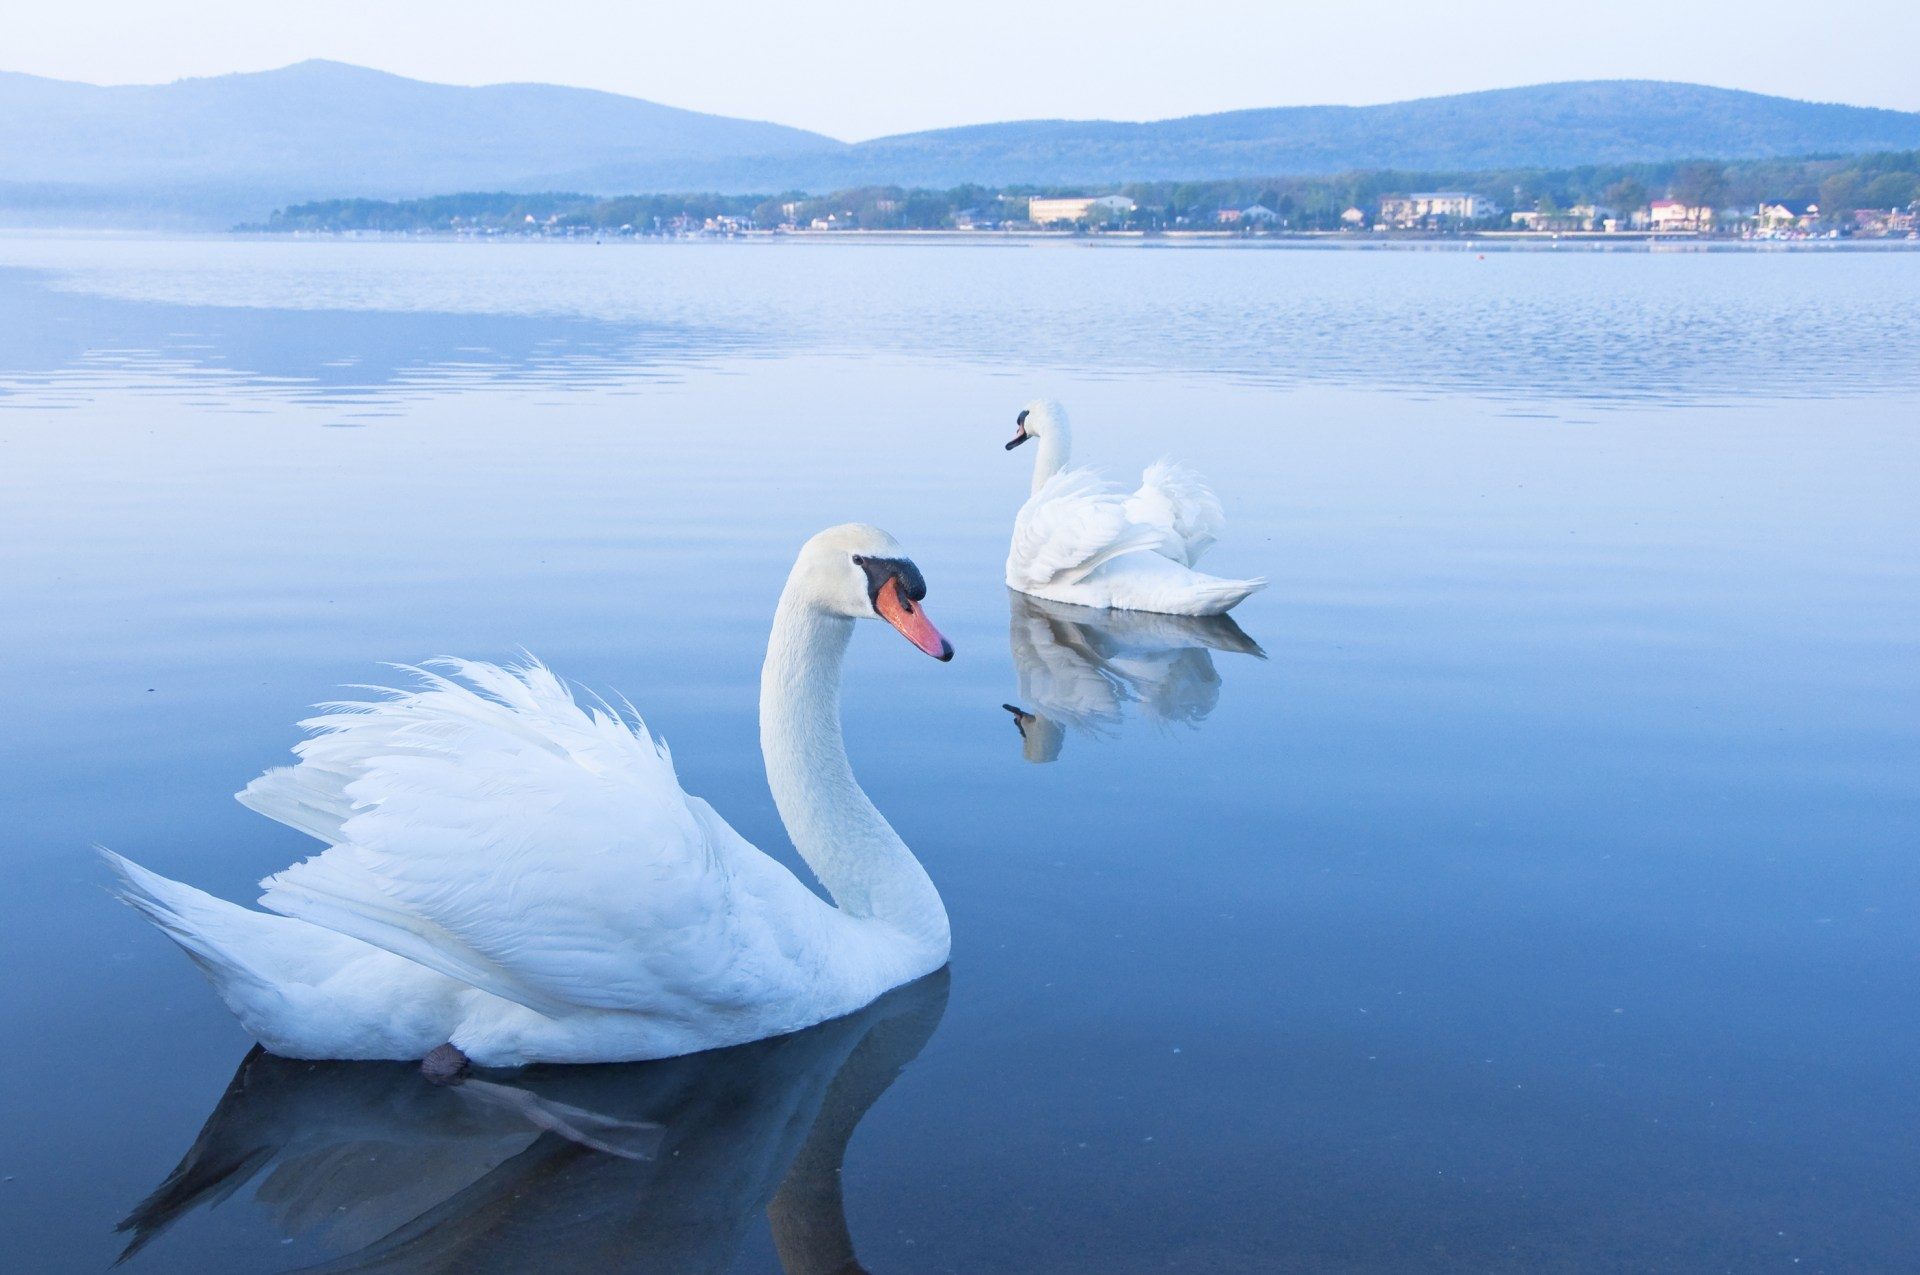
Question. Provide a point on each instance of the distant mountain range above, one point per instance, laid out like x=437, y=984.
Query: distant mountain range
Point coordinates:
x=1543, y=126
x=232, y=148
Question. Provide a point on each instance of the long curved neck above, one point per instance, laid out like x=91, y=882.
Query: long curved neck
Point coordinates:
x=851, y=848
x=1056, y=445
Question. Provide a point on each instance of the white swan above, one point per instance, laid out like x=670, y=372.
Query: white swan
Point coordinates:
x=1080, y=540
x=525, y=879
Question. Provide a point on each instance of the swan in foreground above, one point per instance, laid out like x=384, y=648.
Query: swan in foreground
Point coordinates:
x=523, y=879
x=668, y=1166
x=1081, y=540
x=1084, y=669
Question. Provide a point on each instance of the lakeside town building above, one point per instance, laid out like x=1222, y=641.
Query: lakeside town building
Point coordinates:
x=1405, y=212
x=1671, y=216
x=1251, y=215
x=1053, y=212
x=1581, y=217
x=1890, y=221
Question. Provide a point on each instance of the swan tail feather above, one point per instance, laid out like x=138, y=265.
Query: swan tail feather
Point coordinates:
x=1213, y=596
x=215, y=934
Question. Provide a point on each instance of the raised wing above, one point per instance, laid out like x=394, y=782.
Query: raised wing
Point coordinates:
x=494, y=830
x=1073, y=524
x=1178, y=501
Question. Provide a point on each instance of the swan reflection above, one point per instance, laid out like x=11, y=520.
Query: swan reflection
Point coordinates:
x=1081, y=669
x=637, y=1167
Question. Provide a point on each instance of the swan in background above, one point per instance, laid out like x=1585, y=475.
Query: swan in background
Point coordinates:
x=1080, y=669
x=1081, y=540
x=520, y=878
x=640, y=1167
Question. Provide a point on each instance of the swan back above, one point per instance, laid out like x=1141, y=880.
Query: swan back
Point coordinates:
x=1070, y=527
x=1178, y=501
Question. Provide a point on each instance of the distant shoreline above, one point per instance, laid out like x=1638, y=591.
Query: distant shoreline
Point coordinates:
x=1185, y=240
x=1502, y=241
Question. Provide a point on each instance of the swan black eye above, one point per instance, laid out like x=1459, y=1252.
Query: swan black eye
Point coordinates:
x=1022, y=418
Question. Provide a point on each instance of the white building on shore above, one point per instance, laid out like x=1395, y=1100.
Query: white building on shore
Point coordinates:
x=1052, y=212
x=1407, y=211
x=1674, y=216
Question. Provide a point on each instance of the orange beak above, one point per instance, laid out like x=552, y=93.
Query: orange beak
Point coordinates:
x=899, y=611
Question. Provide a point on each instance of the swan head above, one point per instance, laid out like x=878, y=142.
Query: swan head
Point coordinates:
x=1039, y=419
x=861, y=573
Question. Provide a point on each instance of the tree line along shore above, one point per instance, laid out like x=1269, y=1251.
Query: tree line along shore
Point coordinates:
x=1830, y=196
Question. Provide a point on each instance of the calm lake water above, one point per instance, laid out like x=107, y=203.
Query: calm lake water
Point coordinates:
x=1528, y=881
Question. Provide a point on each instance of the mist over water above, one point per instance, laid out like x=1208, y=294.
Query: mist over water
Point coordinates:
x=1542, y=899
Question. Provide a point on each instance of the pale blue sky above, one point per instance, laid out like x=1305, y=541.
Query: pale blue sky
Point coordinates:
x=859, y=68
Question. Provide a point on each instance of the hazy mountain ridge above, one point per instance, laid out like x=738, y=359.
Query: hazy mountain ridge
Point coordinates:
x=1546, y=125
x=233, y=147
x=247, y=142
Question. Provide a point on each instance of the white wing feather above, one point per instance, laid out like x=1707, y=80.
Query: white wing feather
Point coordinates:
x=1178, y=501
x=1073, y=524
x=505, y=836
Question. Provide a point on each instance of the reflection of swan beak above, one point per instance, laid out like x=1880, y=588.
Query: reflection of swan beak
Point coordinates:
x=1040, y=739
x=895, y=608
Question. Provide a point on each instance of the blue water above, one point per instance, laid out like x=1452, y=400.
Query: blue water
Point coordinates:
x=1527, y=882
